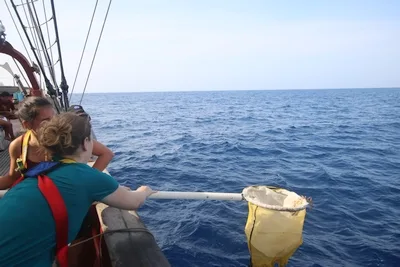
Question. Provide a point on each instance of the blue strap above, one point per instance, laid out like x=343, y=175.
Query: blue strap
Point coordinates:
x=41, y=168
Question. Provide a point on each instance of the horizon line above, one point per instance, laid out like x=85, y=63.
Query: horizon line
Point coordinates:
x=235, y=90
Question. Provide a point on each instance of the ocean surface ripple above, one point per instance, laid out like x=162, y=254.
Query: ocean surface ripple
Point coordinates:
x=340, y=147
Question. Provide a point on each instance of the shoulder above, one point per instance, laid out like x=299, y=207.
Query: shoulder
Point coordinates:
x=76, y=173
x=81, y=170
x=76, y=167
x=15, y=146
x=97, y=184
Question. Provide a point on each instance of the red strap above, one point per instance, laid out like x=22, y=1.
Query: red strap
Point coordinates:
x=60, y=215
x=17, y=181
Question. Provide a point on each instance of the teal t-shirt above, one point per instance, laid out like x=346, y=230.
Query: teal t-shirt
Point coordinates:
x=27, y=227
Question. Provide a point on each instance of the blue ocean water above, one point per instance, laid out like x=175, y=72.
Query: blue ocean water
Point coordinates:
x=340, y=147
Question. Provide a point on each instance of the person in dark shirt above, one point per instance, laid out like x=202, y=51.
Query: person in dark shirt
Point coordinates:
x=7, y=127
x=7, y=107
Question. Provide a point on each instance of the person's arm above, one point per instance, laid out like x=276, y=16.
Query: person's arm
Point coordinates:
x=128, y=200
x=104, y=155
x=104, y=188
x=15, y=151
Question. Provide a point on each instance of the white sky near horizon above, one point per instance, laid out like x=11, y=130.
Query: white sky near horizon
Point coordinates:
x=226, y=45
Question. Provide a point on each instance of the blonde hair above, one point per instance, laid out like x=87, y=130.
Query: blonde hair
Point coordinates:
x=30, y=107
x=64, y=134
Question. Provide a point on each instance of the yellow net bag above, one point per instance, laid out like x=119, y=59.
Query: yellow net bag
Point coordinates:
x=274, y=225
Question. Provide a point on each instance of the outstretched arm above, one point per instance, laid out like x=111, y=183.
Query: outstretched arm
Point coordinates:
x=104, y=188
x=126, y=199
x=104, y=155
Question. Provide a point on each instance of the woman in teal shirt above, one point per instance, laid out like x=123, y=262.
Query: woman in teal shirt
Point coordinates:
x=27, y=226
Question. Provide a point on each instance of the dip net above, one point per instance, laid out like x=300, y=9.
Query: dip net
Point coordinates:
x=274, y=225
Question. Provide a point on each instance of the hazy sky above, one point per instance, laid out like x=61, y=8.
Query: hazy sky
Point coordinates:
x=228, y=45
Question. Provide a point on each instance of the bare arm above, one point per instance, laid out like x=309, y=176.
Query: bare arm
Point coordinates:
x=104, y=155
x=15, y=151
x=126, y=199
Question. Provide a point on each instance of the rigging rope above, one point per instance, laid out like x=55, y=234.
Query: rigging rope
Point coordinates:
x=48, y=84
x=43, y=43
x=39, y=34
x=39, y=41
x=48, y=36
x=15, y=24
x=23, y=76
x=31, y=30
x=95, y=52
x=64, y=85
x=83, y=51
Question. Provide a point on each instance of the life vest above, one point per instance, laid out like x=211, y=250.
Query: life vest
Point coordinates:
x=56, y=203
x=22, y=165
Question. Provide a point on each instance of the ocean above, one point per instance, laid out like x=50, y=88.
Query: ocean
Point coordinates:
x=340, y=147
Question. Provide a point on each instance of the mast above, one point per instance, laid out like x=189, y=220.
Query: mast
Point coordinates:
x=8, y=49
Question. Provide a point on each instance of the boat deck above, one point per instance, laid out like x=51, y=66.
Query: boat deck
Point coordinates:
x=4, y=155
x=4, y=162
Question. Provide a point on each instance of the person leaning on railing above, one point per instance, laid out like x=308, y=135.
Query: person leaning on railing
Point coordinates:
x=44, y=210
x=32, y=112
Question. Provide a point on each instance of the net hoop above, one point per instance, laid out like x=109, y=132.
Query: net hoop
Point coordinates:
x=248, y=195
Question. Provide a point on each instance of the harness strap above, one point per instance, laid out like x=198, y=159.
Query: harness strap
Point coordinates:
x=60, y=215
x=57, y=206
x=67, y=161
x=21, y=161
x=25, y=144
x=17, y=181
